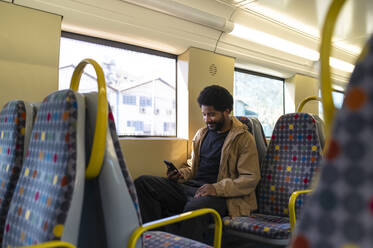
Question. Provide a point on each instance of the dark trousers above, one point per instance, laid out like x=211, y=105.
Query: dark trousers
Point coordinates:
x=160, y=197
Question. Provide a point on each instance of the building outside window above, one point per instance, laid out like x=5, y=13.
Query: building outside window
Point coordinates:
x=260, y=96
x=129, y=100
x=141, y=83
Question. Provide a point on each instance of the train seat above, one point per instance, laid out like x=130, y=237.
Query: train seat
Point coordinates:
x=291, y=160
x=320, y=125
x=339, y=212
x=114, y=191
x=256, y=129
x=16, y=120
x=47, y=200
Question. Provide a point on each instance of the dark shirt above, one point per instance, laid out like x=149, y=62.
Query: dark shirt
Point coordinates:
x=210, y=153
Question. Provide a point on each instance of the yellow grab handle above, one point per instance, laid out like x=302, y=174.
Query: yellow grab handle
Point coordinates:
x=325, y=50
x=51, y=244
x=99, y=139
x=306, y=100
x=177, y=218
x=292, y=200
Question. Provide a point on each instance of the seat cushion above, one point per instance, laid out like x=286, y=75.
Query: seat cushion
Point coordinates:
x=157, y=239
x=274, y=227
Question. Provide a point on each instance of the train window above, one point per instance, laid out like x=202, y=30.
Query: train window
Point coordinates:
x=337, y=96
x=141, y=83
x=258, y=95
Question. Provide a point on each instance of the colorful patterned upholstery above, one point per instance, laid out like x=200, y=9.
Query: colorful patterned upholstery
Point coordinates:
x=339, y=213
x=43, y=194
x=157, y=239
x=274, y=227
x=292, y=159
x=12, y=140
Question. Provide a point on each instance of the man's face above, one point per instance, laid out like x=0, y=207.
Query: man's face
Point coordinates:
x=214, y=119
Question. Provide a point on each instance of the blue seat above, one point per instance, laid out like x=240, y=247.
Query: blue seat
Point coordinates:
x=290, y=163
x=47, y=200
x=16, y=120
x=339, y=213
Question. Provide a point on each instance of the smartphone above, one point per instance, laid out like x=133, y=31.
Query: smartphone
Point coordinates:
x=170, y=165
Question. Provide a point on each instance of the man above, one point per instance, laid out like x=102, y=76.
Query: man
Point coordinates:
x=222, y=173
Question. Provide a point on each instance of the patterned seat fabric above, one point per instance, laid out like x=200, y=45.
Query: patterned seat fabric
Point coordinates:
x=292, y=159
x=153, y=238
x=44, y=190
x=12, y=140
x=157, y=239
x=339, y=213
x=274, y=227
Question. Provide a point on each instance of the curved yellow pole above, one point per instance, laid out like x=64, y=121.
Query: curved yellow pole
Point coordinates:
x=292, y=200
x=177, y=218
x=51, y=244
x=325, y=50
x=99, y=139
x=306, y=100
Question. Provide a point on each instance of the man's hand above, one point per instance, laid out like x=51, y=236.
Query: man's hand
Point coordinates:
x=173, y=175
x=204, y=190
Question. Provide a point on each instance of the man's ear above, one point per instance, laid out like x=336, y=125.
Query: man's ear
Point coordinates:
x=227, y=112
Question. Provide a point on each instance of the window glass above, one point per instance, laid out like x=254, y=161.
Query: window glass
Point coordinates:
x=141, y=85
x=259, y=96
x=337, y=96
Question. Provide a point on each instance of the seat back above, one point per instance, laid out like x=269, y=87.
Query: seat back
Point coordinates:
x=320, y=129
x=46, y=203
x=116, y=210
x=292, y=159
x=16, y=120
x=256, y=129
x=339, y=213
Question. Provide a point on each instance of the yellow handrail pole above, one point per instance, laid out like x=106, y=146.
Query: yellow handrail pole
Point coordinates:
x=51, y=244
x=325, y=50
x=99, y=139
x=293, y=198
x=177, y=218
x=306, y=100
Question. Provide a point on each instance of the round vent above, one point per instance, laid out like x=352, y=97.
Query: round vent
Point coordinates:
x=213, y=70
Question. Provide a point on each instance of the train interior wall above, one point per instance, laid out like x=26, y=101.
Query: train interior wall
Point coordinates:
x=29, y=51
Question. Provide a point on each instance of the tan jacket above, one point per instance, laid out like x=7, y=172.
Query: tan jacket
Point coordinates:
x=238, y=172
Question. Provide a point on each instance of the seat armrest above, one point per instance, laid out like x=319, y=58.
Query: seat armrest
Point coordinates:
x=178, y=218
x=292, y=200
x=51, y=244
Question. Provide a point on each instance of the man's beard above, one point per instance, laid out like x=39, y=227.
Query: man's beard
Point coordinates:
x=217, y=126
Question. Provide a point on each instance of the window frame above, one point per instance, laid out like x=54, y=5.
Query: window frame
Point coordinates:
x=121, y=45
x=236, y=69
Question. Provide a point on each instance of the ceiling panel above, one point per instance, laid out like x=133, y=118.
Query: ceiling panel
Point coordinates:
x=354, y=24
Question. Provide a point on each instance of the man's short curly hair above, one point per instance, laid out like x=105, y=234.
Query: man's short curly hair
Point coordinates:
x=216, y=96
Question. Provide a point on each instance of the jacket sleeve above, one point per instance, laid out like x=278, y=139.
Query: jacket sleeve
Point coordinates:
x=247, y=167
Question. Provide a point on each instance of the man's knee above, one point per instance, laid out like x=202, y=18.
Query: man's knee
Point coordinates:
x=216, y=203
x=142, y=179
x=196, y=203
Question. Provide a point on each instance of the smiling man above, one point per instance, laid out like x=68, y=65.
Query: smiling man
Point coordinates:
x=222, y=173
